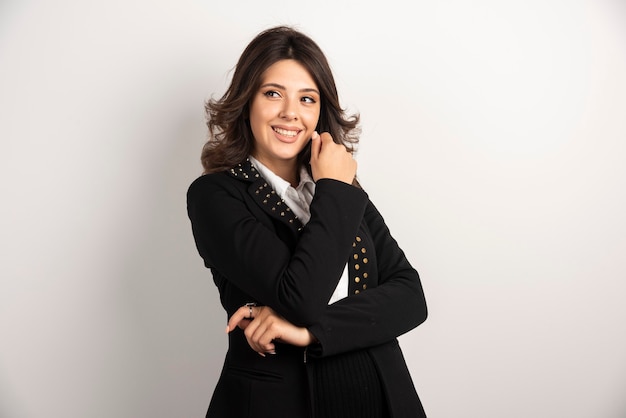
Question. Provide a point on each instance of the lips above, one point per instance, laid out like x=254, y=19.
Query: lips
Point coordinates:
x=286, y=132
x=286, y=135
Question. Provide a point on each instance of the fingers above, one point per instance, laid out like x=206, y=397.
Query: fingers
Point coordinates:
x=260, y=338
x=257, y=323
x=238, y=317
x=331, y=160
x=266, y=327
x=316, y=146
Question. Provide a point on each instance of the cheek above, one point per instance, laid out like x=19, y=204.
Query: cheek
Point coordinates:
x=263, y=113
x=257, y=120
x=312, y=119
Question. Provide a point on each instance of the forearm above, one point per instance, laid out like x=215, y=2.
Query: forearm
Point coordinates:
x=370, y=318
x=391, y=305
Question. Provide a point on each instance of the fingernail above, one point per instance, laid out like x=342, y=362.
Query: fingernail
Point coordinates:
x=315, y=134
x=262, y=355
x=271, y=352
x=227, y=329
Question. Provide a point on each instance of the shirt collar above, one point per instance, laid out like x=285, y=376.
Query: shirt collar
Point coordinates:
x=279, y=184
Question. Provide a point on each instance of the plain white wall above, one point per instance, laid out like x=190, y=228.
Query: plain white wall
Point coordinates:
x=494, y=141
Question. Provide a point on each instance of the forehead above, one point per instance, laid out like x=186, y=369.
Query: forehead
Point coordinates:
x=290, y=72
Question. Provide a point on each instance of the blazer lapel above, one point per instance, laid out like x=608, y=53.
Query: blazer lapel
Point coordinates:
x=265, y=196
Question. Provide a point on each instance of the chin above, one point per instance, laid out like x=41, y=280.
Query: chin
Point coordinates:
x=289, y=154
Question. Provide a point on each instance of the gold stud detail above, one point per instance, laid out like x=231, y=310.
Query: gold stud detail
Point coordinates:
x=363, y=250
x=365, y=275
x=356, y=267
x=356, y=256
x=356, y=292
x=358, y=239
x=357, y=279
x=364, y=286
x=365, y=260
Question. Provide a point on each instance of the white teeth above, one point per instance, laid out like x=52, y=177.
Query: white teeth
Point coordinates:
x=286, y=132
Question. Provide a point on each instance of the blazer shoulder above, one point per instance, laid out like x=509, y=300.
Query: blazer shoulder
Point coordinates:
x=211, y=182
x=372, y=214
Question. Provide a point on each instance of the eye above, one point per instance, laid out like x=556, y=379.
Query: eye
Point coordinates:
x=309, y=99
x=272, y=93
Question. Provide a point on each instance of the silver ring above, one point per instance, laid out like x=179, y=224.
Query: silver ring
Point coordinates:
x=250, y=305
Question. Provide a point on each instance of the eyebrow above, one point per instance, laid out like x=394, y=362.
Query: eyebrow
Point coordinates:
x=278, y=86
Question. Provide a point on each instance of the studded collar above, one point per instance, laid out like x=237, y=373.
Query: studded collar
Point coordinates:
x=265, y=196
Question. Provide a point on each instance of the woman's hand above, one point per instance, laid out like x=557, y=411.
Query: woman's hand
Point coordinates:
x=331, y=160
x=266, y=327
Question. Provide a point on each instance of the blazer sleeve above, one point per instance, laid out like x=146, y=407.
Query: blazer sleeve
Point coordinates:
x=379, y=314
x=232, y=240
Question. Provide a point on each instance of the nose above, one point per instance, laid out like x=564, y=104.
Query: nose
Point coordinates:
x=288, y=112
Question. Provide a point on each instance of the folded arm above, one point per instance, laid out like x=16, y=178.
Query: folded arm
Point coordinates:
x=232, y=240
x=370, y=318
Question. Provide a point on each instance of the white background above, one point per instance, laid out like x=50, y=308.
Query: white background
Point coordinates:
x=494, y=143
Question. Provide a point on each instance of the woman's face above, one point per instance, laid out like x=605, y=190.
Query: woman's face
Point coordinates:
x=283, y=114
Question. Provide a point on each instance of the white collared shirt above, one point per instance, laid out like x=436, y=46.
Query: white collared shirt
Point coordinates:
x=299, y=201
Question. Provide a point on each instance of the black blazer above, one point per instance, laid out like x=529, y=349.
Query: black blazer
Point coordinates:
x=258, y=251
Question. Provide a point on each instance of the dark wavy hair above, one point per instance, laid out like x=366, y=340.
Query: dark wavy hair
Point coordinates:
x=230, y=136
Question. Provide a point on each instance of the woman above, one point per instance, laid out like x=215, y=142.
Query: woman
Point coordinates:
x=315, y=287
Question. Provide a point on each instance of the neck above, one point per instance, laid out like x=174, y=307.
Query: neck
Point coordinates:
x=288, y=173
x=286, y=170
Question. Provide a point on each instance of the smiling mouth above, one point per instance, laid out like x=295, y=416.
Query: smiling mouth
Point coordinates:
x=285, y=132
